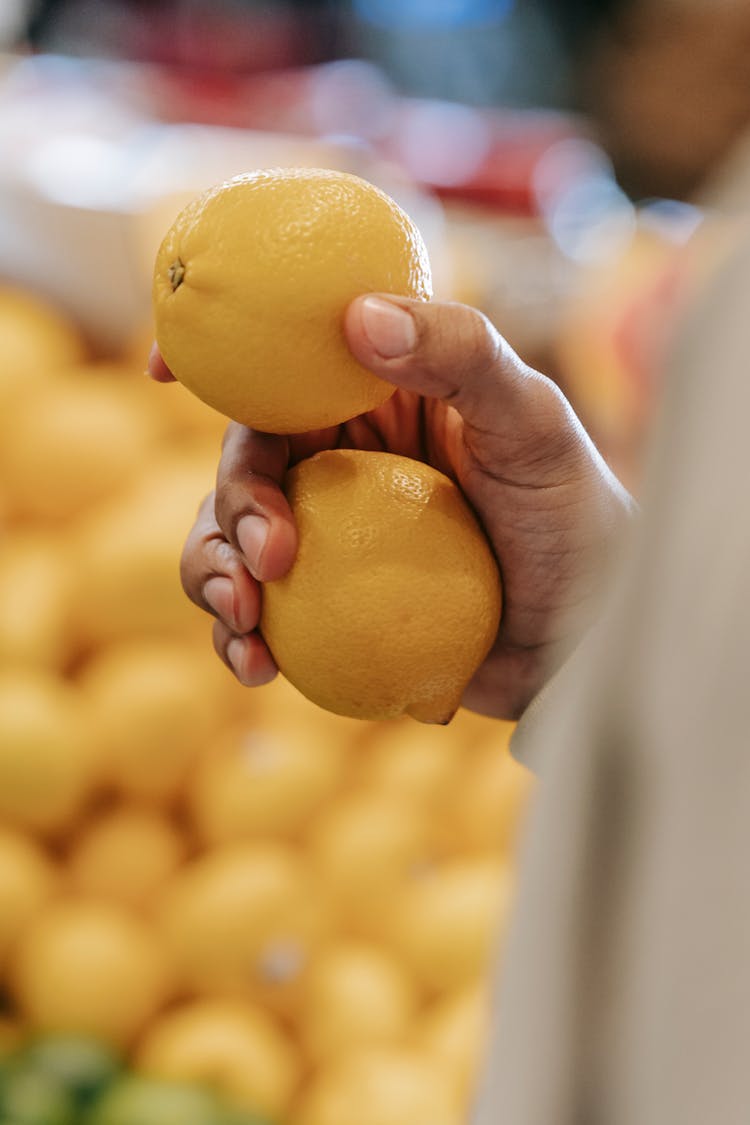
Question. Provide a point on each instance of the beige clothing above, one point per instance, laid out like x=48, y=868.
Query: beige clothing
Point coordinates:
x=624, y=996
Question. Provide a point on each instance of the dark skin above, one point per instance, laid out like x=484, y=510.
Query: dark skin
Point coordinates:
x=468, y=405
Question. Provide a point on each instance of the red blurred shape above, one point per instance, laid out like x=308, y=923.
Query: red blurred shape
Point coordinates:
x=503, y=174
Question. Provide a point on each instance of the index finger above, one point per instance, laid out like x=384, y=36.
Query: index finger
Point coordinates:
x=251, y=508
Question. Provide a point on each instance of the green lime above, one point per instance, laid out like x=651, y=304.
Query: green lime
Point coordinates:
x=84, y=1065
x=135, y=1100
x=30, y=1097
x=243, y=1117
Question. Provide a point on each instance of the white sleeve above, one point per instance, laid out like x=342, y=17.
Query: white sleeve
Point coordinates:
x=623, y=992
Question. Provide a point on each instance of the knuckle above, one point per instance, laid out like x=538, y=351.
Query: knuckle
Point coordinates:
x=460, y=350
x=552, y=408
x=467, y=339
x=483, y=342
x=233, y=434
x=557, y=429
x=231, y=501
x=192, y=550
x=481, y=361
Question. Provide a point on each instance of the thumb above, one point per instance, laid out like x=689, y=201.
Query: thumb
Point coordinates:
x=452, y=352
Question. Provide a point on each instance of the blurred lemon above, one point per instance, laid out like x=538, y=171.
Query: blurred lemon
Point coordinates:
x=380, y=1086
x=447, y=924
x=48, y=761
x=35, y=590
x=354, y=994
x=234, y=1048
x=28, y=879
x=154, y=704
x=78, y=441
x=128, y=552
x=422, y=763
x=364, y=847
x=91, y=968
x=264, y=780
x=394, y=597
x=125, y=855
x=36, y=340
x=264, y=265
x=489, y=802
x=242, y=921
x=454, y=1030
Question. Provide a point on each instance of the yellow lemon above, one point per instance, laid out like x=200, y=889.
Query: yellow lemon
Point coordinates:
x=354, y=994
x=27, y=881
x=90, y=968
x=394, y=598
x=235, y=1048
x=35, y=589
x=454, y=1029
x=48, y=762
x=380, y=1086
x=125, y=855
x=447, y=924
x=251, y=283
x=76, y=442
x=264, y=779
x=154, y=704
x=242, y=921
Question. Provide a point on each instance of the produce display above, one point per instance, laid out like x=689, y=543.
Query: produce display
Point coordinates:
x=217, y=905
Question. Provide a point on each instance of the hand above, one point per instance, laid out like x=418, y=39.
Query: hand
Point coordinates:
x=468, y=405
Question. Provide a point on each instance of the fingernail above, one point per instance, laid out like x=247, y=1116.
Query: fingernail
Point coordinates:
x=236, y=656
x=252, y=533
x=389, y=328
x=218, y=593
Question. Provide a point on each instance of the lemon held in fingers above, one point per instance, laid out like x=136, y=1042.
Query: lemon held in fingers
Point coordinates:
x=250, y=287
x=394, y=598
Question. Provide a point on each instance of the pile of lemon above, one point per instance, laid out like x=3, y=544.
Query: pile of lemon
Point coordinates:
x=225, y=887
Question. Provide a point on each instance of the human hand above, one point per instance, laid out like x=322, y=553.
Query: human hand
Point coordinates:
x=466, y=404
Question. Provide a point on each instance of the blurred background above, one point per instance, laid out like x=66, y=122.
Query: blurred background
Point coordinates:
x=222, y=906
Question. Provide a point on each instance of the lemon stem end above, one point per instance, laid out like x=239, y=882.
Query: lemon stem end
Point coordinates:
x=176, y=274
